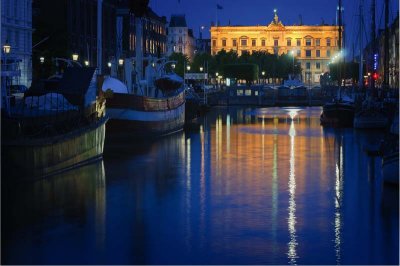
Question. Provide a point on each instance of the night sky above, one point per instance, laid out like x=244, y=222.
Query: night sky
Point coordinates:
x=260, y=12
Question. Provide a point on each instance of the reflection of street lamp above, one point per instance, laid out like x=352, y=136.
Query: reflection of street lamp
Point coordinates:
x=75, y=56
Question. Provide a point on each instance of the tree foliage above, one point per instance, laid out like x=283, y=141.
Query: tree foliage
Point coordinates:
x=248, y=72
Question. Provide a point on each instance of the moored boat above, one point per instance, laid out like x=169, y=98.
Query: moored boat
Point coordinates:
x=55, y=127
x=338, y=113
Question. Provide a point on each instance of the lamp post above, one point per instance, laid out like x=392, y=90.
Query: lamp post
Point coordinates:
x=292, y=52
x=263, y=74
x=6, y=50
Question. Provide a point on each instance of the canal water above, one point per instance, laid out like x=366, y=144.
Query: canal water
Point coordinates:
x=248, y=186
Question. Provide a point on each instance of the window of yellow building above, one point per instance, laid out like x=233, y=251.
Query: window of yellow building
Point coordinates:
x=223, y=43
x=234, y=42
x=298, y=53
x=289, y=42
x=317, y=42
x=298, y=42
x=243, y=42
x=328, y=53
x=308, y=42
x=318, y=65
x=214, y=42
x=276, y=42
x=317, y=53
x=253, y=42
x=308, y=65
x=328, y=42
x=262, y=42
x=308, y=53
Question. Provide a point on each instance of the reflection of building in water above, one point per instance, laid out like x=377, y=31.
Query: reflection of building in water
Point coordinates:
x=292, y=253
x=338, y=200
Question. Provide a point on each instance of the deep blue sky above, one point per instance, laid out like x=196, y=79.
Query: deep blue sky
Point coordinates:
x=254, y=12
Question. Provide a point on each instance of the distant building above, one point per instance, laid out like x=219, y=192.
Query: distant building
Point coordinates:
x=71, y=27
x=16, y=30
x=154, y=33
x=313, y=46
x=180, y=38
x=203, y=46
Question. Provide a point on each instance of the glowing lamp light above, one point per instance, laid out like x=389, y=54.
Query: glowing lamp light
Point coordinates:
x=6, y=48
x=375, y=76
x=121, y=62
x=216, y=74
x=173, y=66
x=188, y=68
x=153, y=64
x=75, y=56
x=86, y=63
x=201, y=69
x=263, y=73
x=109, y=64
x=41, y=59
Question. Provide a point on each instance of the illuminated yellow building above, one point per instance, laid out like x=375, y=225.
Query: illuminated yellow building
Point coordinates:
x=313, y=46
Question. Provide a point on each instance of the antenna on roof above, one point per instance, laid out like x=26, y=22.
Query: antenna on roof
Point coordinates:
x=300, y=19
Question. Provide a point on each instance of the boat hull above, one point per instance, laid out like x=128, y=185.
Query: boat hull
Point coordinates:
x=390, y=168
x=338, y=114
x=140, y=116
x=42, y=157
x=370, y=123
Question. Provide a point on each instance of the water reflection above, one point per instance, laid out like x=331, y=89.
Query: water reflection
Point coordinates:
x=252, y=186
x=292, y=254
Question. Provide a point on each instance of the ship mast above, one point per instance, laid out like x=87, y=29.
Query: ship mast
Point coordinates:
x=340, y=48
x=360, y=65
x=373, y=37
x=386, y=48
x=99, y=36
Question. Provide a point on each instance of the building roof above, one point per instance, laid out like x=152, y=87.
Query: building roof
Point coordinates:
x=190, y=33
x=178, y=21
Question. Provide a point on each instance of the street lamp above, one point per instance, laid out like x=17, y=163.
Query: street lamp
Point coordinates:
x=86, y=63
x=173, y=66
x=41, y=59
x=121, y=61
x=109, y=64
x=7, y=48
x=201, y=69
x=75, y=56
x=263, y=74
x=188, y=68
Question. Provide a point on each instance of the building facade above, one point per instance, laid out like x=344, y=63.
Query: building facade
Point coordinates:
x=312, y=46
x=16, y=30
x=180, y=38
x=203, y=45
x=70, y=27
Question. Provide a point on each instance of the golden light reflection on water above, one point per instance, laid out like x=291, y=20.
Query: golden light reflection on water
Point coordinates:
x=263, y=155
x=292, y=253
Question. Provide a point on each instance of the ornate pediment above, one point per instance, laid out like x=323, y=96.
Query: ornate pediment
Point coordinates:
x=276, y=24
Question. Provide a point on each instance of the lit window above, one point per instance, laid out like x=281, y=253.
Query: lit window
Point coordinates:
x=317, y=53
x=289, y=42
x=308, y=53
x=328, y=42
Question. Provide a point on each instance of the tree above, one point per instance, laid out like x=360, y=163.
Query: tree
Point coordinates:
x=248, y=72
x=181, y=61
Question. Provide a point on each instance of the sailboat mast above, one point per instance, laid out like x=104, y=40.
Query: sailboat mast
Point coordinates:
x=99, y=35
x=373, y=37
x=386, y=48
x=340, y=47
x=360, y=65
